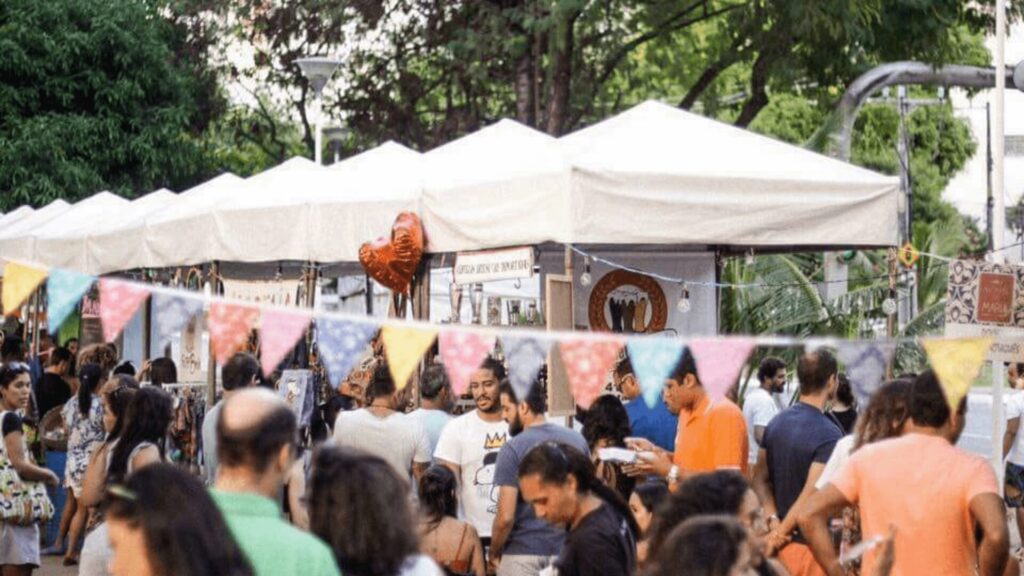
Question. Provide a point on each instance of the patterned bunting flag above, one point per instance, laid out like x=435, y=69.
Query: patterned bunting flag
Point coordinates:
x=172, y=314
x=404, y=348
x=865, y=363
x=279, y=331
x=653, y=360
x=229, y=326
x=19, y=283
x=462, y=353
x=119, y=300
x=64, y=290
x=525, y=356
x=341, y=344
x=956, y=363
x=587, y=364
x=719, y=363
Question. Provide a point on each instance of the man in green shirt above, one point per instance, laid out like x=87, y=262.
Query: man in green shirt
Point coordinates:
x=255, y=445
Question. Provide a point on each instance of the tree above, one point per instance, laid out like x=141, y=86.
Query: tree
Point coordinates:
x=98, y=94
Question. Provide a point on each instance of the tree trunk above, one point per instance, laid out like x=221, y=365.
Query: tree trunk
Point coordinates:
x=561, y=77
x=758, y=93
x=525, y=106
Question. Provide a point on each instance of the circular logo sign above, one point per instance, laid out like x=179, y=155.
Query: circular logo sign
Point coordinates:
x=627, y=302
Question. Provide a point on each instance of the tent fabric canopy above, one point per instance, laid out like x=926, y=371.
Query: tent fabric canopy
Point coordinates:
x=654, y=175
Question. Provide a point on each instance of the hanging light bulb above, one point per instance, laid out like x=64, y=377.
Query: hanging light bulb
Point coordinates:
x=684, y=300
x=750, y=257
x=889, y=305
x=585, y=278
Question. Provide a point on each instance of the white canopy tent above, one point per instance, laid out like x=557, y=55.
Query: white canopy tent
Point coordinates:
x=110, y=242
x=13, y=216
x=15, y=242
x=63, y=242
x=656, y=174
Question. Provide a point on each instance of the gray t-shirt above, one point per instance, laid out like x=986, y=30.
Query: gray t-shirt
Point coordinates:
x=397, y=438
x=210, y=443
x=530, y=535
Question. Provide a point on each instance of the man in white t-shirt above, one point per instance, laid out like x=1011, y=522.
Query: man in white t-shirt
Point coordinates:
x=469, y=446
x=382, y=430
x=760, y=404
x=1013, y=443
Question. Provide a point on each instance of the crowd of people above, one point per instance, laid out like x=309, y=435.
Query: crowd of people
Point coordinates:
x=804, y=482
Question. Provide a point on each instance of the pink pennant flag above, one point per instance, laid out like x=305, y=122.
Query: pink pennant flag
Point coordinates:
x=119, y=300
x=462, y=353
x=229, y=326
x=587, y=364
x=279, y=331
x=719, y=363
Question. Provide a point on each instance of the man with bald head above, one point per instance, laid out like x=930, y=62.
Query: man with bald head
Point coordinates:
x=256, y=435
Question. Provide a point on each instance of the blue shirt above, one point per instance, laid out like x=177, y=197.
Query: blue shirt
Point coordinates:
x=530, y=535
x=655, y=424
x=798, y=437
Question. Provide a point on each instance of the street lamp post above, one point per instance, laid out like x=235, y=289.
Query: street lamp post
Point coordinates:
x=318, y=70
x=336, y=136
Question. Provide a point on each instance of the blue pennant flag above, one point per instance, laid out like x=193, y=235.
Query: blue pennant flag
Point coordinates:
x=653, y=360
x=64, y=291
x=173, y=313
x=341, y=344
x=525, y=356
x=865, y=363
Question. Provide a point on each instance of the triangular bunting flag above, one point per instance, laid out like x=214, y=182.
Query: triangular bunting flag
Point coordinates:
x=587, y=364
x=404, y=348
x=719, y=363
x=653, y=360
x=172, y=314
x=865, y=364
x=279, y=331
x=229, y=326
x=341, y=344
x=956, y=363
x=119, y=300
x=64, y=290
x=525, y=356
x=463, y=352
x=19, y=283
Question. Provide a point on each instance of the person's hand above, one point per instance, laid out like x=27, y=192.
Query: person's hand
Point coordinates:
x=492, y=564
x=640, y=445
x=51, y=478
x=654, y=462
x=775, y=541
x=887, y=555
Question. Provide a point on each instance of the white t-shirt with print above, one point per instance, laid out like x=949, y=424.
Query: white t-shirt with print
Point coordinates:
x=473, y=445
x=759, y=407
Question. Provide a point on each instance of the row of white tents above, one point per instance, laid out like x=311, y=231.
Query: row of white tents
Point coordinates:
x=653, y=175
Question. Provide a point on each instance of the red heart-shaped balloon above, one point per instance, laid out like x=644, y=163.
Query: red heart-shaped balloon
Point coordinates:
x=392, y=262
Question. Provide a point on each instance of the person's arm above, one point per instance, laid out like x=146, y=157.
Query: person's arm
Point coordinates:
x=813, y=520
x=504, y=519
x=762, y=485
x=780, y=536
x=730, y=437
x=14, y=444
x=478, y=565
x=296, y=490
x=95, y=477
x=418, y=470
x=987, y=511
x=759, y=434
x=1012, y=425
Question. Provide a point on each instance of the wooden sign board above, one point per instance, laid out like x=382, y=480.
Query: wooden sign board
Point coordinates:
x=559, y=316
x=987, y=300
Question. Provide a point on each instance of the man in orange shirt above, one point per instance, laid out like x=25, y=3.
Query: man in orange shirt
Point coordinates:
x=712, y=434
x=925, y=489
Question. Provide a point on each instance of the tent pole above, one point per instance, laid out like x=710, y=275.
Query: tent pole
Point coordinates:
x=570, y=272
x=211, y=370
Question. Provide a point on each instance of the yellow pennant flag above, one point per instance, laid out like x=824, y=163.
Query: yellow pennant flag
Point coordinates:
x=956, y=363
x=404, y=348
x=19, y=283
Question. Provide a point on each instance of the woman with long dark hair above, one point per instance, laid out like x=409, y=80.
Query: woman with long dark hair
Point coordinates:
x=644, y=502
x=19, y=545
x=83, y=420
x=606, y=425
x=137, y=444
x=559, y=482
x=360, y=507
x=452, y=543
x=163, y=522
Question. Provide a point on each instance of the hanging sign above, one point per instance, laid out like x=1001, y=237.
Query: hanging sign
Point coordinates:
x=986, y=300
x=489, y=265
x=272, y=293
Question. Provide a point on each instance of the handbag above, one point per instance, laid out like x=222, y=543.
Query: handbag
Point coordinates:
x=22, y=502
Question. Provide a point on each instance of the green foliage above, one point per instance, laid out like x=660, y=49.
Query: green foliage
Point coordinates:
x=93, y=97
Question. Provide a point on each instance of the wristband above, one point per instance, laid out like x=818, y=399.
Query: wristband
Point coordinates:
x=673, y=474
